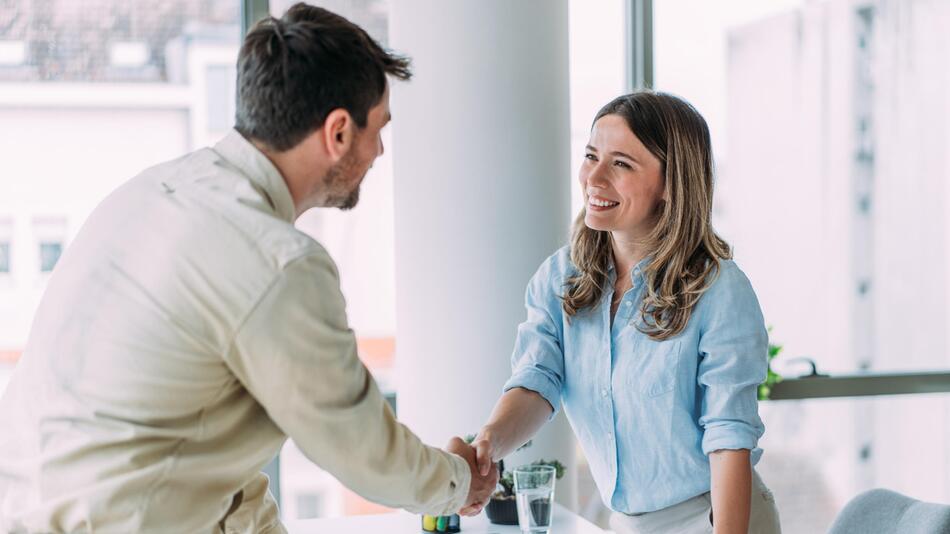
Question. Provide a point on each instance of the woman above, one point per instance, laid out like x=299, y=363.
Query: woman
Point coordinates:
x=648, y=334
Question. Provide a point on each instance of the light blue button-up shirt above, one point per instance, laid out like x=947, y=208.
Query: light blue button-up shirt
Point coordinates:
x=647, y=413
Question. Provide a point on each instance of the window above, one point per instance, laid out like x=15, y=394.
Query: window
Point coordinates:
x=75, y=79
x=4, y=257
x=834, y=200
x=6, y=238
x=50, y=251
x=50, y=234
x=597, y=75
x=597, y=72
x=371, y=308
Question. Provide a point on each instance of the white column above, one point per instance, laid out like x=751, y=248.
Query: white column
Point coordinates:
x=482, y=187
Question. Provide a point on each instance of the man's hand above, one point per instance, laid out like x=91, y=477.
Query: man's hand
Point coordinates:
x=484, y=452
x=482, y=486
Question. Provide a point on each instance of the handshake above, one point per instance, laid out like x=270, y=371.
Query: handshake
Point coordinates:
x=484, y=472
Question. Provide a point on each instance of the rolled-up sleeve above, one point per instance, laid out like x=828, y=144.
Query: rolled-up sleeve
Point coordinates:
x=733, y=350
x=297, y=356
x=537, y=362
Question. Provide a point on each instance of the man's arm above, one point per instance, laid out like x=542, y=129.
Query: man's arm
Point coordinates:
x=731, y=473
x=296, y=354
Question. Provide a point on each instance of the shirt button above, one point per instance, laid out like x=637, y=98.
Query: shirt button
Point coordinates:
x=626, y=303
x=603, y=392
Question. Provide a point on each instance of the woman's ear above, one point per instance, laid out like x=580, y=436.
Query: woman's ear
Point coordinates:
x=338, y=133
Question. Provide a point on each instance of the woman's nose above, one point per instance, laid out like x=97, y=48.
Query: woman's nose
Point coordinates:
x=597, y=176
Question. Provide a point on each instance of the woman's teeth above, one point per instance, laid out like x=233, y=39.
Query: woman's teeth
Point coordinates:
x=602, y=203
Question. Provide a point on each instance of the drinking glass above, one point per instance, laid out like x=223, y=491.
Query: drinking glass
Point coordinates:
x=534, y=493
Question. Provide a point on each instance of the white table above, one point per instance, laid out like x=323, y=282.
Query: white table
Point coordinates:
x=564, y=522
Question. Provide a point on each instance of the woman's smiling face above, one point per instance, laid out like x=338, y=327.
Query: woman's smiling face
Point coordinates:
x=622, y=181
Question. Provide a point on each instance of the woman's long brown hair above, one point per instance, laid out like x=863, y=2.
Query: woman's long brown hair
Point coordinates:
x=685, y=249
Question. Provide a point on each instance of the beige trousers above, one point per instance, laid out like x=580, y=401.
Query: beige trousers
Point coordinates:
x=693, y=516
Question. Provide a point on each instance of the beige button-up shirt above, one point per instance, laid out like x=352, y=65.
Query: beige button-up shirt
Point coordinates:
x=186, y=332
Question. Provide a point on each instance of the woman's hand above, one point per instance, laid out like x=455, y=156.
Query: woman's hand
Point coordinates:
x=517, y=416
x=485, y=451
x=484, y=460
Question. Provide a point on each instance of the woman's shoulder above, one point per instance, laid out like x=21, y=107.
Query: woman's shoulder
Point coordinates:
x=727, y=272
x=727, y=282
x=558, y=265
x=554, y=271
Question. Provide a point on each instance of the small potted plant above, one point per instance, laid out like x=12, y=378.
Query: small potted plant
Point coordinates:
x=502, y=509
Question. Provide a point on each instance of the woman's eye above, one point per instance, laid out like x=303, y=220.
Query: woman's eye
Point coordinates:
x=590, y=157
x=622, y=165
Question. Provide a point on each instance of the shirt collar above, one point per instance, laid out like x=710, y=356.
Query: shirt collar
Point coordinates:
x=637, y=270
x=239, y=152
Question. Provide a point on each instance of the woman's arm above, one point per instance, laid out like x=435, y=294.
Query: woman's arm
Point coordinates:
x=517, y=416
x=533, y=392
x=733, y=351
x=731, y=490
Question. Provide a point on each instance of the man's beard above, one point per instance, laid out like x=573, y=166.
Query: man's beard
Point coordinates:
x=337, y=182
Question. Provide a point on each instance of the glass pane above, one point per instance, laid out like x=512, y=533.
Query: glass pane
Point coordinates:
x=834, y=198
x=371, y=15
x=834, y=204
x=106, y=40
x=4, y=257
x=819, y=454
x=371, y=308
x=597, y=59
x=92, y=92
x=49, y=255
x=597, y=75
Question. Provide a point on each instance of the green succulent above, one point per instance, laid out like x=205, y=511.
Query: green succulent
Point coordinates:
x=507, y=480
x=771, y=377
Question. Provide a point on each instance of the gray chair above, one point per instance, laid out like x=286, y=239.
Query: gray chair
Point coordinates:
x=882, y=511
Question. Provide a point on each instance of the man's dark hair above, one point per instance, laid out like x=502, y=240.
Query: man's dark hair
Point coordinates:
x=293, y=71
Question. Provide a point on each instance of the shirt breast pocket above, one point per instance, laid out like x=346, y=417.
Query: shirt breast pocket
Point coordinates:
x=660, y=362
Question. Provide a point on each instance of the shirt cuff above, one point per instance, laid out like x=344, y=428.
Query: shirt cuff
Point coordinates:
x=462, y=481
x=539, y=382
x=730, y=436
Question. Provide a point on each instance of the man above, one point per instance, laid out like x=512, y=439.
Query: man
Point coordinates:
x=189, y=329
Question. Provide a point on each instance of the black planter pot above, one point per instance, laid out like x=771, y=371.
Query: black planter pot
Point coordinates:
x=502, y=511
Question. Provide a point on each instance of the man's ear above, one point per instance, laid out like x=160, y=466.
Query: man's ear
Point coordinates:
x=338, y=130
